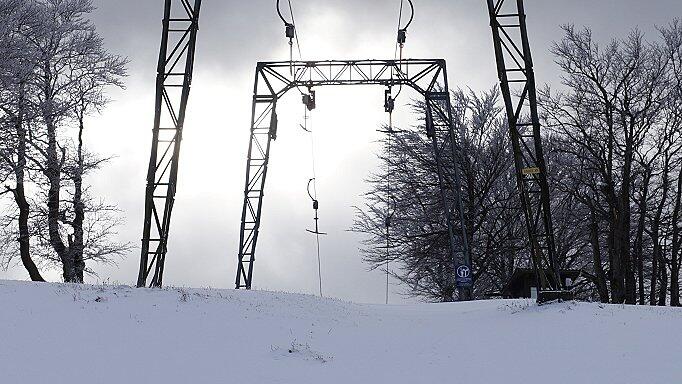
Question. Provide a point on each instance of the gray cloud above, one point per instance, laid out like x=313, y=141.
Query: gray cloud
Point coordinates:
x=236, y=34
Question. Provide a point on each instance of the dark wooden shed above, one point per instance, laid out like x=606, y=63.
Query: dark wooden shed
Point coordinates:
x=523, y=283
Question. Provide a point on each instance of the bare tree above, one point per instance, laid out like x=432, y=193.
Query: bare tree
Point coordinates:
x=90, y=76
x=54, y=78
x=614, y=99
x=73, y=69
x=614, y=155
x=672, y=38
x=17, y=21
x=419, y=243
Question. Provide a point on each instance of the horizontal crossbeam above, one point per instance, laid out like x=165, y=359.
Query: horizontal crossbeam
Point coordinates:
x=281, y=76
x=274, y=79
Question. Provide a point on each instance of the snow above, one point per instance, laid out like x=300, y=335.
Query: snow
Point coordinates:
x=61, y=333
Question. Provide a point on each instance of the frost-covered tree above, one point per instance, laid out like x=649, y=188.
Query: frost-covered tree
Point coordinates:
x=68, y=71
x=419, y=243
x=615, y=123
x=613, y=146
x=19, y=22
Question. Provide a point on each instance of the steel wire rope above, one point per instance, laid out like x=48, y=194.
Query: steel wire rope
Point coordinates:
x=307, y=126
x=389, y=198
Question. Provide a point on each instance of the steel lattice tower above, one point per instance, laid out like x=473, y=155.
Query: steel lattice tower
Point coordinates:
x=517, y=83
x=173, y=80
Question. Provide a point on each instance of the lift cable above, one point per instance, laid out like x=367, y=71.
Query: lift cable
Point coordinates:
x=400, y=41
x=291, y=32
x=389, y=105
x=309, y=105
x=293, y=21
x=390, y=210
x=316, y=232
x=402, y=32
x=397, y=43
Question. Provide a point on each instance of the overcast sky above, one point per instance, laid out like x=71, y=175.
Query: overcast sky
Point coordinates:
x=233, y=36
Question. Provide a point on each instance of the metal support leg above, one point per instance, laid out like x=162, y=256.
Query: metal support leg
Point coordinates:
x=263, y=131
x=441, y=131
x=517, y=83
x=173, y=80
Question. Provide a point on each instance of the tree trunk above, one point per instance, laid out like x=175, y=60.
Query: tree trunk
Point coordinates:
x=617, y=275
x=626, y=272
x=675, y=265
x=602, y=289
x=20, y=194
x=53, y=174
x=654, y=270
x=616, y=278
x=658, y=261
x=612, y=247
x=663, y=290
x=639, y=239
x=76, y=248
x=53, y=168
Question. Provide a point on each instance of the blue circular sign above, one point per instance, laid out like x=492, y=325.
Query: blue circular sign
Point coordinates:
x=463, y=271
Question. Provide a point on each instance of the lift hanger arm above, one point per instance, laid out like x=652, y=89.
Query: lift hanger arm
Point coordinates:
x=411, y=15
x=279, y=13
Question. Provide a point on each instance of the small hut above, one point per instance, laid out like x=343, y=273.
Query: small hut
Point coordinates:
x=523, y=283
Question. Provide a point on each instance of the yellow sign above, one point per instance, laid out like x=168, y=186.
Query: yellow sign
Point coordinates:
x=530, y=171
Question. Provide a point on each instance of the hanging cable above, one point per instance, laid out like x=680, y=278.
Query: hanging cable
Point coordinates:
x=390, y=211
x=291, y=32
x=316, y=232
x=400, y=43
x=402, y=32
x=309, y=105
x=293, y=21
x=389, y=105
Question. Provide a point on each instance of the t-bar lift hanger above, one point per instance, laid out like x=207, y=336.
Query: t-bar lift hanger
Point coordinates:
x=402, y=32
x=290, y=33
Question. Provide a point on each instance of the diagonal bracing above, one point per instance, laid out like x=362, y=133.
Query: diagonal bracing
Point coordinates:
x=517, y=83
x=173, y=80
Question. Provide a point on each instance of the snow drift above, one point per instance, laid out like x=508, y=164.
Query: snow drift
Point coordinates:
x=116, y=334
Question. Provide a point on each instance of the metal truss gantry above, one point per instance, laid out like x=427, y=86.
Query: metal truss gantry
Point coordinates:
x=517, y=83
x=173, y=80
x=274, y=79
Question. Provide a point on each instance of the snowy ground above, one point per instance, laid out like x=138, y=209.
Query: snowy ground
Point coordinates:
x=116, y=334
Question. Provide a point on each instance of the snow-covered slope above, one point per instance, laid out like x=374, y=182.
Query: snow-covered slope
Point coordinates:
x=116, y=334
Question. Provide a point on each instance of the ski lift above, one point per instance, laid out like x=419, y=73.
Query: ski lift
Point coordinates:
x=309, y=99
x=289, y=28
x=402, y=32
x=316, y=207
